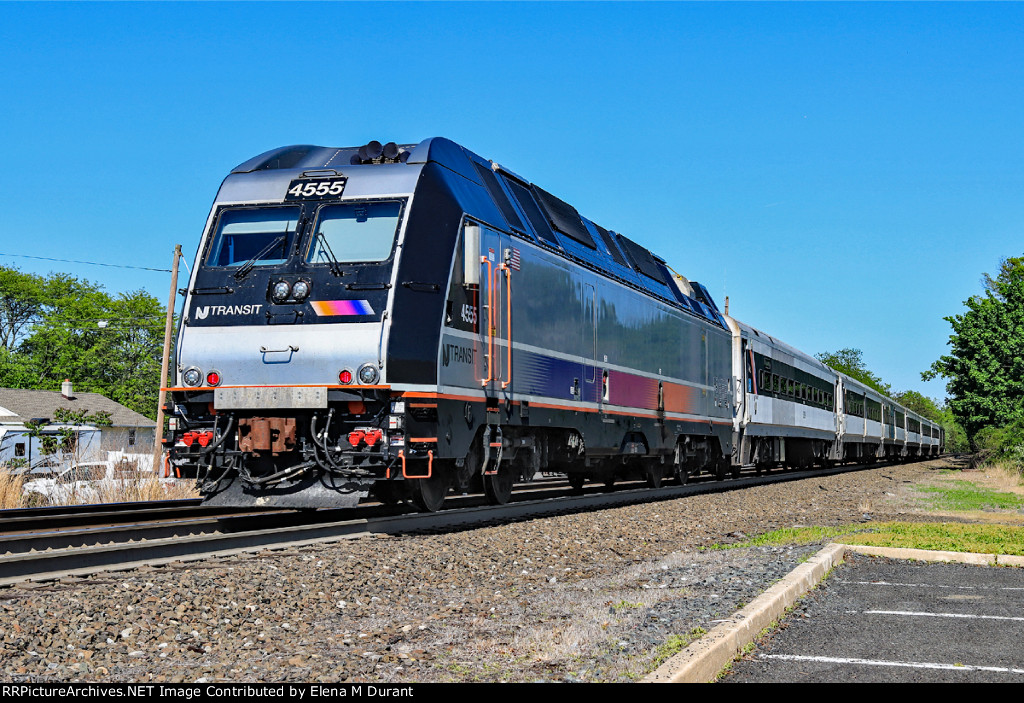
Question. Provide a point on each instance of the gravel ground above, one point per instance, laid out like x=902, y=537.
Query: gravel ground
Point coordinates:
x=585, y=597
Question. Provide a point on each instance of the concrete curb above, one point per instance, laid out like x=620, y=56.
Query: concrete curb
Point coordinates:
x=702, y=660
x=929, y=555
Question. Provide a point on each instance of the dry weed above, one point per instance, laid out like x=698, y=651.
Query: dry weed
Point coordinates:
x=1005, y=475
x=11, y=490
x=143, y=488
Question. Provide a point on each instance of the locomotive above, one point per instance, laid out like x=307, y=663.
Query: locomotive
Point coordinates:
x=411, y=319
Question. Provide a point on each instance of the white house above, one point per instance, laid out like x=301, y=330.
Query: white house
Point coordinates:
x=129, y=435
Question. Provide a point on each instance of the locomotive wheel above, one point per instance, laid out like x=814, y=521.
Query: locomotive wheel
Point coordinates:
x=682, y=474
x=498, y=487
x=427, y=494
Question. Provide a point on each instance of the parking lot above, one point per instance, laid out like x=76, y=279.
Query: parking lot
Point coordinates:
x=882, y=620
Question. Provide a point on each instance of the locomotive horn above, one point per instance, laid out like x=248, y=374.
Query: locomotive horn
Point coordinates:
x=370, y=151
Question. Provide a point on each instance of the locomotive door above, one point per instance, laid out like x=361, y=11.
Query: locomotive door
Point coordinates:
x=498, y=262
x=588, y=347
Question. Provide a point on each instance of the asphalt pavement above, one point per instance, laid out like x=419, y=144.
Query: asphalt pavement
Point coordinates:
x=885, y=620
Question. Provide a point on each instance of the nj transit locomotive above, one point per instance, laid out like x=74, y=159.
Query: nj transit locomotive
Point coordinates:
x=409, y=319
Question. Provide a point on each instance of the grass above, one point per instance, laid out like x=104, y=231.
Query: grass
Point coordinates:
x=794, y=536
x=675, y=644
x=955, y=537
x=964, y=495
x=1009, y=473
x=626, y=604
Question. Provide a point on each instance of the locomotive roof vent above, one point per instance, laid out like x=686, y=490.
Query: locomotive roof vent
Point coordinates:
x=376, y=153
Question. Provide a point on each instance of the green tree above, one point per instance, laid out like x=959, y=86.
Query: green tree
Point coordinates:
x=104, y=344
x=22, y=297
x=851, y=362
x=985, y=366
x=920, y=404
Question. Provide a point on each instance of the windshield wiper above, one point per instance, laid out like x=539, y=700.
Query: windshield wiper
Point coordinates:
x=334, y=263
x=244, y=270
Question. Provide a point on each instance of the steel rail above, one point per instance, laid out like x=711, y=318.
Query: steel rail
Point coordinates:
x=112, y=514
x=56, y=563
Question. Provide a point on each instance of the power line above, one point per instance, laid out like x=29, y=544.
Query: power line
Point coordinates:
x=90, y=263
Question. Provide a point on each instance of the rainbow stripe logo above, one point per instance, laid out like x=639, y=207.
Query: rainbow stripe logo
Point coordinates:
x=335, y=308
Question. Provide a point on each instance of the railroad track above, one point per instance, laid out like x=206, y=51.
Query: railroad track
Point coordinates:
x=186, y=534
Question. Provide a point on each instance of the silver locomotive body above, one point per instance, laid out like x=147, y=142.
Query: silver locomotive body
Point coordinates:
x=408, y=319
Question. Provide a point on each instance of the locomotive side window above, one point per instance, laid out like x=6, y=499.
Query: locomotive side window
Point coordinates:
x=354, y=232
x=541, y=228
x=261, y=235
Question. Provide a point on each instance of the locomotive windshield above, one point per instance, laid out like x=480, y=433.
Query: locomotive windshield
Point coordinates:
x=354, y=232
x=263, y=236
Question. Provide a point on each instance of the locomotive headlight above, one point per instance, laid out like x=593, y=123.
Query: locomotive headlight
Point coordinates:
x=192, y=376
x=300, y=290
x=281, y=290
x=368, y=374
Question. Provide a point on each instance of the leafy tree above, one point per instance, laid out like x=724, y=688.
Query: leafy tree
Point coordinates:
x=920, y=404
x=105, y=344
x=22, y=298
x=985, y=366
x=851, y=362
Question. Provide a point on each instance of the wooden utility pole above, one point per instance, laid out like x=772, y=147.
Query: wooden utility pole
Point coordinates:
x=158, y=450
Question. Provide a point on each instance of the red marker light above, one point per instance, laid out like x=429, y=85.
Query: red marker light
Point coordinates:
x=345, y=377
x=213, y=378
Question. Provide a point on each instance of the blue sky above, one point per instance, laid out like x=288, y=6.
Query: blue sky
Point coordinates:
x=845, y=173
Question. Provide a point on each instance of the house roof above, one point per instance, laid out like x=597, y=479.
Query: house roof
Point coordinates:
x=18, y=406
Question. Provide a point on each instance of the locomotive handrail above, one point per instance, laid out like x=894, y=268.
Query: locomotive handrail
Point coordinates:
x=508, y=326
x=490, y=320
x=430, y=465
